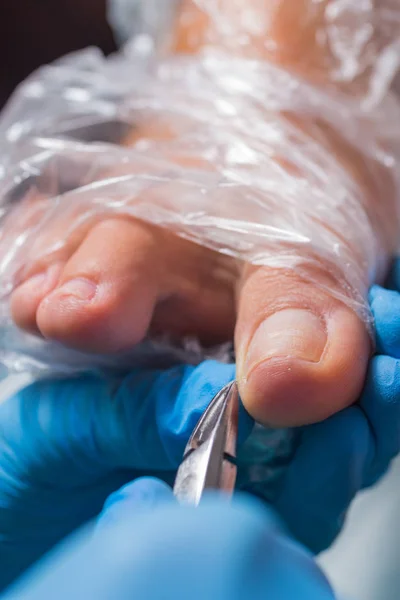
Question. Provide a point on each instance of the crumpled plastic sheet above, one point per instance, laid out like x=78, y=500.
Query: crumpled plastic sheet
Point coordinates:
x=290, y=162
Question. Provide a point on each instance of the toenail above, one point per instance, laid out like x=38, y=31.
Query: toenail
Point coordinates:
x=44, y=282
x=80, y=288
x=289, y=333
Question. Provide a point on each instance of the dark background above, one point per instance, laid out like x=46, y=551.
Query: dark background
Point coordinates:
x=36, y=32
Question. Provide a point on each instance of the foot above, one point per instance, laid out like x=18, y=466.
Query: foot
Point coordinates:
x=301, y=353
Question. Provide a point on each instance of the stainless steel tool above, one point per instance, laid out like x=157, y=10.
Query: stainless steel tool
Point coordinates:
x=209, y=460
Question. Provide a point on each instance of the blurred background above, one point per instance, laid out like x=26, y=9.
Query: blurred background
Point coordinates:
x=36, y=33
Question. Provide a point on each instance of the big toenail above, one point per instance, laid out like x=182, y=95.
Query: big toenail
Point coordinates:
x=80, y=288
x=289, y=333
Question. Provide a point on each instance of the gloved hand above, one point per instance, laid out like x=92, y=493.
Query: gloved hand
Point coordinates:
x=66, y=445
x=149, y=547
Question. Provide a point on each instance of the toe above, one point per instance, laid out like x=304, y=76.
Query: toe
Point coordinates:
x=302, y=354
x=27, y=297
x=107, y=291
x=47, y=243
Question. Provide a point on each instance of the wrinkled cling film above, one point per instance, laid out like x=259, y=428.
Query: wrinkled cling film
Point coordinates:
x=255, y=164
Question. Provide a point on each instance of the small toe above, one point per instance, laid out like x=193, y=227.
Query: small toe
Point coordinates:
x=27, y=297
x=107, y=292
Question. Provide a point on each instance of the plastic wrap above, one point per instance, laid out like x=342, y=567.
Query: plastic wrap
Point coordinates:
x=256, y=161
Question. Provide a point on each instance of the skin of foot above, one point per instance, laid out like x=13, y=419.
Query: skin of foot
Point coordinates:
x=301, y=353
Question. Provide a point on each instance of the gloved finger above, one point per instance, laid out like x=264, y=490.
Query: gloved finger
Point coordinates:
x=146, y=493
x=393, y=281
x=142, y=422
x=326, y=472
x=160, y=411
x=385, y=306
x=344, y=454
x=218, y=551
x=380, y=402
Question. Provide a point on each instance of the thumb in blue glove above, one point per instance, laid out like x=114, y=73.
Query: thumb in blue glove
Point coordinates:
x=153, y=548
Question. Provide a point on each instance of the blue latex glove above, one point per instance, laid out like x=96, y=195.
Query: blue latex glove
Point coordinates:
x=149, y=547
x=66, y=445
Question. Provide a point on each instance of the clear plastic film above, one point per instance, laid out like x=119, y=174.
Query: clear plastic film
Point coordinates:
x=265, y=154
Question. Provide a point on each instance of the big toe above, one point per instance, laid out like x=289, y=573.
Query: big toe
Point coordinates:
x=302, y=354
